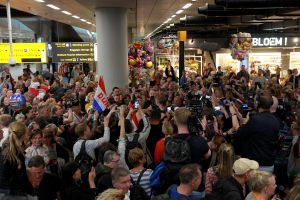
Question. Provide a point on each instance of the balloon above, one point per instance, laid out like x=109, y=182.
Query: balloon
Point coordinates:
x=17, y=102
x=149, y=64
x=132, y=62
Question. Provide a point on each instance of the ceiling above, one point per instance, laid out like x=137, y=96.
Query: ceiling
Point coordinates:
x=147, y=17
x=143, y=15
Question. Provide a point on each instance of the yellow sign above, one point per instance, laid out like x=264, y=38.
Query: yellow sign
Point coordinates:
x=24, y=52
x=182, y=36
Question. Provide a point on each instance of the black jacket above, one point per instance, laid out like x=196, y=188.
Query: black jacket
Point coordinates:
x=103, y=177
x=11, y=177
x=75, y=192
x=227, y=189
x=258, y=139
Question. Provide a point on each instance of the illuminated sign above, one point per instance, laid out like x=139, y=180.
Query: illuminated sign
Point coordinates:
x=270, y=42
x=73, y=52
x=24, y=52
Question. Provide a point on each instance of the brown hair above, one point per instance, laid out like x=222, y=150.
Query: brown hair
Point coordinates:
x=80, y=128
x=226, y=159
x=135, y=156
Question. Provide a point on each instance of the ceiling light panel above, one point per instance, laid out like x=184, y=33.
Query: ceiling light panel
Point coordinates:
x=179, y=12
x=41, y=1
x=66, y=12
x=53, y=7
x=186, y=6
x=75, y=16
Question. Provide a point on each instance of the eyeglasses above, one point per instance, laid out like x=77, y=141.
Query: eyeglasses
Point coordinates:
x=116, y=161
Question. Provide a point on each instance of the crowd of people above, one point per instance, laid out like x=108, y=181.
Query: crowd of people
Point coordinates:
x=217, y=136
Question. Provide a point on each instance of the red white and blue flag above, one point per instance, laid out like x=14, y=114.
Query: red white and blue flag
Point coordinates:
x=100, y=99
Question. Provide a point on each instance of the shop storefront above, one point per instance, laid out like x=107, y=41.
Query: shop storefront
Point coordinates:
x=267, y=52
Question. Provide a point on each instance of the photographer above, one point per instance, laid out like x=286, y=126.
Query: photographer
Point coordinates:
x=257, y=139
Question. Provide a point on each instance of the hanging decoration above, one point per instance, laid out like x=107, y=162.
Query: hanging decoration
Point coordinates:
x=140, y=60
x=240, y=45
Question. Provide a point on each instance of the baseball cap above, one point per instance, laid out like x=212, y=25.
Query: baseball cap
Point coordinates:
x=243, y=165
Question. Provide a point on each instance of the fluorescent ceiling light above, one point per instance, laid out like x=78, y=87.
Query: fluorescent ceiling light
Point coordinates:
x=172, y=24
x=169, y=19
x=194, y=0
x=89, y=22
x=66, y=12
x=75, y=16
x=53, y=7
x=41, y=1
x=179, y=11
x=173, y=16
x=186, y=6
x=83, y=20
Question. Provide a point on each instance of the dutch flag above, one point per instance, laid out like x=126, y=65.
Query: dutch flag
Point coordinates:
x=100, y=100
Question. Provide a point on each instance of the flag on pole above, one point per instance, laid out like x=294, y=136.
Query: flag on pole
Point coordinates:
x=100, y=100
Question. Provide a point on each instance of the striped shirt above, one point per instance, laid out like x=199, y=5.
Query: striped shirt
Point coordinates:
x=145, y=180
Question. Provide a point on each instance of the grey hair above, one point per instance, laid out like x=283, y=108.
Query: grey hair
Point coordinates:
x=109, y=156
x=119, y=172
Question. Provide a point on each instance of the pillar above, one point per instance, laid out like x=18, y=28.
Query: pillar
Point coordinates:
x=112, y=39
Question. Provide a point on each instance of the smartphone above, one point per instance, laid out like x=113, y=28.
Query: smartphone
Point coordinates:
x=169, y=109
x=245, y=107
x=7, y=76
x=136, y=105
x=217, y=108
x=208, y=97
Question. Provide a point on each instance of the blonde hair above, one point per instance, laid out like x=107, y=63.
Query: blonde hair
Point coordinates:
x=294, y=193
x=112, y=193
x=226, y=158
x=14, y=146
x=167, y=128
x=181, y=116
x=259, y=180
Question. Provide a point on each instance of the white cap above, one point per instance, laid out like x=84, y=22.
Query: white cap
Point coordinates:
x=243, y=165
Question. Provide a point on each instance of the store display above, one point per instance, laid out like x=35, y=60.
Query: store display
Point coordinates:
x=192, y=63
x=227, y=63
x=264, y=61
x=294, y=60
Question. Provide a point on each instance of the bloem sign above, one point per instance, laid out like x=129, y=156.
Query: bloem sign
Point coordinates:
x=270, y=42
x=24, y=52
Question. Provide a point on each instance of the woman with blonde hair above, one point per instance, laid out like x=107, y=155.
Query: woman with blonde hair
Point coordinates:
x=263, y=185
x=223, y=169
x=112, y=193
x=12, y=161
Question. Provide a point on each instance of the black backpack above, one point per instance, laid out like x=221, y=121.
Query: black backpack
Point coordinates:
x=177, y=151
x=131, y=145
x=84, y=161
x=136, y=191
x=285, y=139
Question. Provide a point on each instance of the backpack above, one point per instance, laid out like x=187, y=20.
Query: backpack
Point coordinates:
x=156, y=182
x=177, y=151
x=285, y=139
x=131, y=145
x=136, y=191
x=84, y=161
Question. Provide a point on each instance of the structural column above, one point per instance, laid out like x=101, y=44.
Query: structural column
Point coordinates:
x=112, y=39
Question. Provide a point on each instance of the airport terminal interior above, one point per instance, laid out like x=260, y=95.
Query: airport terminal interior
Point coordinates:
x=149, y=99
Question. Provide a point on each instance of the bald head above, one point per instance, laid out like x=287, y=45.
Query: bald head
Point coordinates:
x=274, y=106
